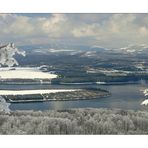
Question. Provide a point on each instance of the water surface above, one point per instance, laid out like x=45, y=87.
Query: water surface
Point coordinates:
x=126, y=96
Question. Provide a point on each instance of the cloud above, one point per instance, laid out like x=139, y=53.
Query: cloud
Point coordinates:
x=86, y=31
x=54, y=25
x=116, y=31
x=23, y=27
x=108, y=30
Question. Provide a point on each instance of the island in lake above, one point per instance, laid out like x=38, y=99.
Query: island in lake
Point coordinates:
x=20, y=96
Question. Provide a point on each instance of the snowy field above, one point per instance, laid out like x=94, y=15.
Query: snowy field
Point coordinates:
x=25, y=73
x=34, y=92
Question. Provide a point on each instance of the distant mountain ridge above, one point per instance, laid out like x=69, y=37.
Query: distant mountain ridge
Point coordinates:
x=83, y=50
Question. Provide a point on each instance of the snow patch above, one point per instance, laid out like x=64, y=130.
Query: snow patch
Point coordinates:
x=34, y=92
x=24, y=73
x=145, y=92
x=134, y=48
x=60, y=50
x=145, y=102
x=89, y=54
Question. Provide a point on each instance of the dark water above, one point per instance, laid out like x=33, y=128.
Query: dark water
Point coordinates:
x=123, y=96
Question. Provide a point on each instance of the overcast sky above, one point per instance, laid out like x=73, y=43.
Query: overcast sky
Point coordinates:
x=107, y=30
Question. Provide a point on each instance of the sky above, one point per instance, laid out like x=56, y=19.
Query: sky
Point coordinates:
x=106, y=30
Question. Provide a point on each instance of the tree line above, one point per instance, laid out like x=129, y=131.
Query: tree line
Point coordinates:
x=74, y=121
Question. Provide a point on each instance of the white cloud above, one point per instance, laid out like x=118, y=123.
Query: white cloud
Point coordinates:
x=116, y=31
x=109, y=30
x=85, y=31
x=28, y=27
x=54, y=24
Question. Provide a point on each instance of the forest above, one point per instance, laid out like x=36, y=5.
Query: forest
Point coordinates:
x=74, y=121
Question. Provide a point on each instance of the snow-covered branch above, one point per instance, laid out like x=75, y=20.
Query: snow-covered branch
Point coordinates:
x=75, y=121
x=7, y=53
x=4, y=106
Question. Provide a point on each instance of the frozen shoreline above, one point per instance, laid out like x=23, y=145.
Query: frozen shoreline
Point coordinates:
x=34, y=92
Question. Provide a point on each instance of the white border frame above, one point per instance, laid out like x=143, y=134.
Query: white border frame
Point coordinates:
x=74, y=6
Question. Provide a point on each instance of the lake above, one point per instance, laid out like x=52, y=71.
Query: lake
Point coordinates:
x=126, y=96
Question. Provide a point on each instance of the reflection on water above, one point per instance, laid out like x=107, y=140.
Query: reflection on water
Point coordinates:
x=123, y=96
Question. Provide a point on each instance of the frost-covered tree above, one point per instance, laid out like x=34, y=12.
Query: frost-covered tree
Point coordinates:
x=4, y=106
x=7, y=53
x=76, y=121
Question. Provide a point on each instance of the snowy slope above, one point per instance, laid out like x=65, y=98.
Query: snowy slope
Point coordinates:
x=24, y=73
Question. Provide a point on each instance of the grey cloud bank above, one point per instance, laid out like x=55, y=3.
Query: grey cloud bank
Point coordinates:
x=107, y=30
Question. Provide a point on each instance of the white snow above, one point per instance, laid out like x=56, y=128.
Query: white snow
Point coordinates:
x=49, y=51
x=33, y=92
x=145, y=102
x=145, y=92
x=134, y=48
x=89, y=54
x=25, y=73
x=100, y=82
x=60, y=50
x=4, y=106
x=7, y=53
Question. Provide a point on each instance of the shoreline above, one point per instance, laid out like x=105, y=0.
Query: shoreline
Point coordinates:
x=83, y=83
x=49, y=100
x=102, y=83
